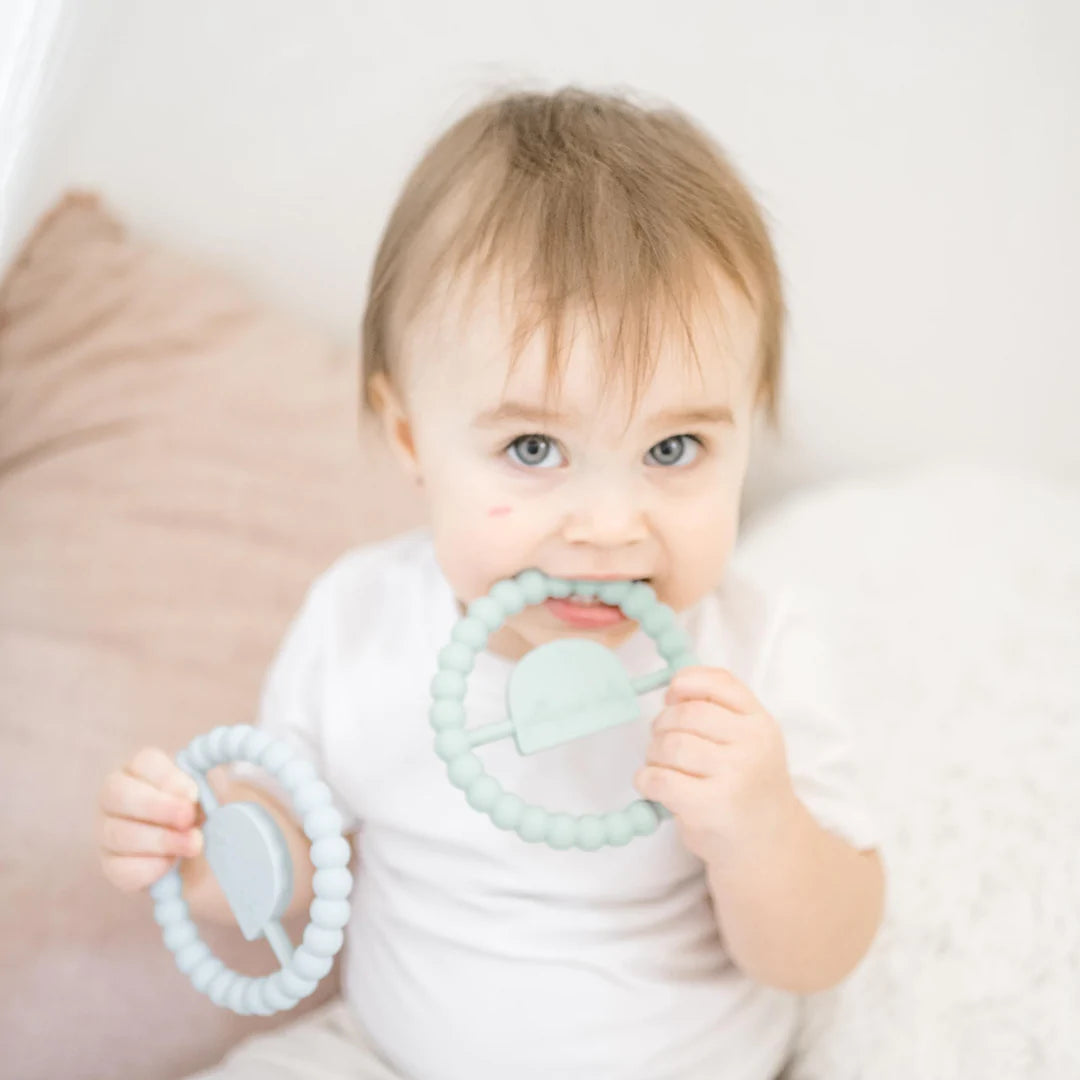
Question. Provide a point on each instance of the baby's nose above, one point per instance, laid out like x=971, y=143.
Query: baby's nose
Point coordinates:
x=608, y=514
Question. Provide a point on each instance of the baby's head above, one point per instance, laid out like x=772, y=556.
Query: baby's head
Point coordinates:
x=574, y=315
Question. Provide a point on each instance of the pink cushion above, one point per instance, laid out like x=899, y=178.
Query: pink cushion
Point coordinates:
x=176, y=463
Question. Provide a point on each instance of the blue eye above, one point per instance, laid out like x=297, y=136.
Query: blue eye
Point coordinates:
x=672, y=450
x=532, y=451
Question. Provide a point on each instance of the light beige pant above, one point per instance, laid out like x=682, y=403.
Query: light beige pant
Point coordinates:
x=325, y=1044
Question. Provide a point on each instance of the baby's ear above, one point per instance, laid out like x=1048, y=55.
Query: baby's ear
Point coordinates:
x=395, y=424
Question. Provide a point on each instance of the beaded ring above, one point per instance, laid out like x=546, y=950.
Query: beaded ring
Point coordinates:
x=250, y=858
x=559, y=691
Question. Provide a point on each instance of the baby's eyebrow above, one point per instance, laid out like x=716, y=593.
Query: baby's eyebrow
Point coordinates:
x=710, y=414
x=523, y=412
x=518, y=410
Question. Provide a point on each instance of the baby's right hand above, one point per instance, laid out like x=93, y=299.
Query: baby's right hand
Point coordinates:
x=149, y=815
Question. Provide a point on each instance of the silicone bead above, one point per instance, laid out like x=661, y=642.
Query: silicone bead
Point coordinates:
x=613, y=592
x=561, y=831
x=672, y=642
x=205, y=973
x=657, y=620
x=313, y=794
x=321, y=821
x=471, y=632
x=508, y=595
x=180, y=934
x=221, y=984
x=445, y=715
x=196, y=757
x=295, y=773
x=464, y=770
x=275, y=755
x=309, y=966
x=533, y=824
x=295, y=985
x=190, y=956
x=215, y=742
x=170, y=911
x=329, y=852
x=321, y=941
x=448, y=684
x=507, y=811
x=253, y=997
x=451, y=744
x=235, y=740
x=456, y=657
x=643, y=818
x=590, y=832
x=585, y=588
x=334, y=883
x=330, y=914
x=166, y=888
x=488, y=611
x=559, y=588
x=638, y=600
x=532, y=585
x=483, y=792
x=236, y=994
x=254, y=745
x=617, y=828
x=276, y=998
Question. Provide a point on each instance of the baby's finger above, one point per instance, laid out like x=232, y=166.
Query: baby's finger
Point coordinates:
x=156, y=767
x=680, y=793
x=122, y=836
x=123, y=795
x=712, y=684
x=131, y=873
x=704, y=718
x=686, y=753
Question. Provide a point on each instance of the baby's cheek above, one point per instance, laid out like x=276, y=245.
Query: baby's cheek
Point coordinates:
x=477, y=548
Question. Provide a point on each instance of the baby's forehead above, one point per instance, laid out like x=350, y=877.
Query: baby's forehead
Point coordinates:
x=482, y=338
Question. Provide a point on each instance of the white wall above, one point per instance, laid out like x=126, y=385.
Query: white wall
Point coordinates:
x=920, y=165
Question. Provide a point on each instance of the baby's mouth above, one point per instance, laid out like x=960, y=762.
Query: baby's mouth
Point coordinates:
x=592, y=601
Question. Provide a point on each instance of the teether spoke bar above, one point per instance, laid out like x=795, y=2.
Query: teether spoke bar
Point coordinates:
x=562, y=690
x=250, y=858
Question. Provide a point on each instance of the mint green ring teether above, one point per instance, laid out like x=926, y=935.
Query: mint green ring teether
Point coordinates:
x=559, y=691
x=250, y=858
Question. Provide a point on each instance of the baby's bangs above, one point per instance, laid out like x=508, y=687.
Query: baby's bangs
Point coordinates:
x=564, y=257
x=632, y=324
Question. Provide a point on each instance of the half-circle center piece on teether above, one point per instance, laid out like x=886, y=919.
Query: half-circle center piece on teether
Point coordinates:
x=567, y=689
x=250, y=859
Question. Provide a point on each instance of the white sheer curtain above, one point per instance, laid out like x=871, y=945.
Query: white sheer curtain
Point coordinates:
x=32, y=35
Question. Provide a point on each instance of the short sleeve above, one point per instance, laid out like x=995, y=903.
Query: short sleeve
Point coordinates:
x=291, y=703
x=798, y=688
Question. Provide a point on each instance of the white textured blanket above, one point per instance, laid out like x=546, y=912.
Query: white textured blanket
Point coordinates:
x=952, y=596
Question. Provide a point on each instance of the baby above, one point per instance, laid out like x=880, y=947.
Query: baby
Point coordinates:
x=574, y=320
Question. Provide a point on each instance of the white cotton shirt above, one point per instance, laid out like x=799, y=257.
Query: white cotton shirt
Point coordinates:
x=473, y=955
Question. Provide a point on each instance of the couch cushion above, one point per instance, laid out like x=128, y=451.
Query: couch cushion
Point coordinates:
x=177, y=462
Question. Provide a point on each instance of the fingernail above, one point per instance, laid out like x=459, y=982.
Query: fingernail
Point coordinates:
x=196, y=841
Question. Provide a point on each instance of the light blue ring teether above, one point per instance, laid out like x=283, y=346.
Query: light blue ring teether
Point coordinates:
x=250, y=858
x=559, y=691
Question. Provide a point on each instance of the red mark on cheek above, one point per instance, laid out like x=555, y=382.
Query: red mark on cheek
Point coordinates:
x=498, y=511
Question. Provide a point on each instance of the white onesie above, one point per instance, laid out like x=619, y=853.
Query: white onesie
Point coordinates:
x=472, y=955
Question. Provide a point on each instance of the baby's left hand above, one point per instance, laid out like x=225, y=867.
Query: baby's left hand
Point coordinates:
x=717, y=761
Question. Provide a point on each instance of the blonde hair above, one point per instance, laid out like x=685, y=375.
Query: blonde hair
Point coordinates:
x=581, y=198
